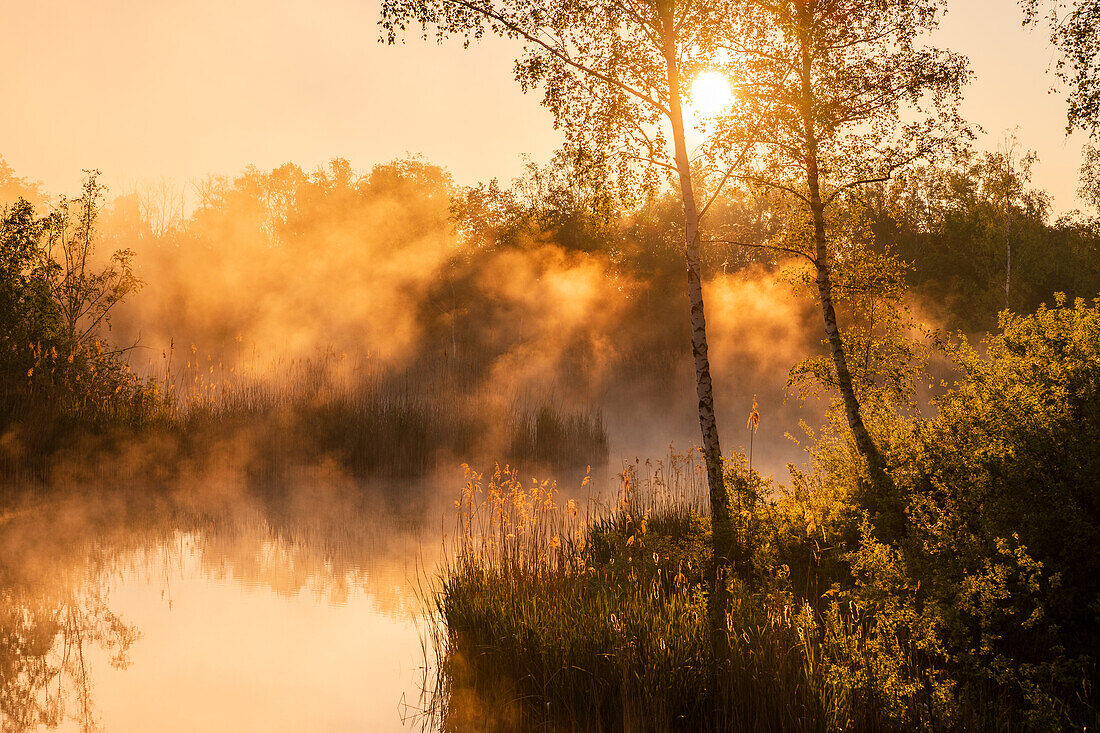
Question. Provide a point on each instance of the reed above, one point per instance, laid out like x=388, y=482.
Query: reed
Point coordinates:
x=557, y=615
x=370, y=420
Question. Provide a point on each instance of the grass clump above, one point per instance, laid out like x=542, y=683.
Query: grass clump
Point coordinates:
x=550, y=435
x=598, y=621
x=550, y=617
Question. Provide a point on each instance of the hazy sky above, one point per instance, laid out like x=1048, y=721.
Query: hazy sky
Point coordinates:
x=148, y=89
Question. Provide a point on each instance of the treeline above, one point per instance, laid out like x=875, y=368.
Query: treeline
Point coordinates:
x=291, y=308
x=981, y=239
x=974, y=235
x=443, y=320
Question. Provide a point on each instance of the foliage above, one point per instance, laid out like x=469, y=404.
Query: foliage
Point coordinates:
x=568, y=200
x=958, y=225
x=56, y=301
x=85, y=291
x=986, y=582
x=28, y=314
x=876, y=99
x=1075, y=32
x=13, y=187
x=1090, y=177
x=601, y=66
x=836, y=96
x=1005, y=527
x=881, y=342
x=979, y=608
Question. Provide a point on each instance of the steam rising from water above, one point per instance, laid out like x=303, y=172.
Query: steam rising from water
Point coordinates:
x=274, y=273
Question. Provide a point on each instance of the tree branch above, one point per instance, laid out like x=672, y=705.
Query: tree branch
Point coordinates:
x=773, y=247
x=560, y=54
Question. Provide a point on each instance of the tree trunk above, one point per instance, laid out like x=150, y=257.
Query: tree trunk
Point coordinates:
x=876, y=465
x=721, y=523
x=1008, y=246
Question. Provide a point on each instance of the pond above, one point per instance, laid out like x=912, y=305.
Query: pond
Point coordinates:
x=295, y=608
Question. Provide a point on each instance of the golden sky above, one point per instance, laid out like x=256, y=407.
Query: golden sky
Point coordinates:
x=152, y=89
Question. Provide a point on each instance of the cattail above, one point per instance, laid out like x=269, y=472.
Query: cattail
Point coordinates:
x=753, y=425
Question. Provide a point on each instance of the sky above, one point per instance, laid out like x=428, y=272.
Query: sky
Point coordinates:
x=148, y=90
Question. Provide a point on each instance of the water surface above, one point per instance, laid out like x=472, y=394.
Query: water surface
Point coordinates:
x=132, y=611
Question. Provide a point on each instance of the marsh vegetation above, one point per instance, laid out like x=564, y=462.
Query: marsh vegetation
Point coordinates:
x=954, y=607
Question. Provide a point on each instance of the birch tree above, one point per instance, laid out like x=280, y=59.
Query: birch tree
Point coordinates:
x=615, y=74
x=835, y=95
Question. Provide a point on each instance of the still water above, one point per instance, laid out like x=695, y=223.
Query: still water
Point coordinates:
x=292, y=610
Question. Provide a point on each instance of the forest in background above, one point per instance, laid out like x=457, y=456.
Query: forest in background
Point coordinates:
x=391, y=318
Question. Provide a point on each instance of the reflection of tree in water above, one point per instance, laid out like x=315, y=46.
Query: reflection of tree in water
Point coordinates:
x=44, y=638
x=55, y=562
x=58, y=559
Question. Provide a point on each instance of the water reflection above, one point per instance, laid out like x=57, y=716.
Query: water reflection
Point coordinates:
x=287, y=610
x=43, y=655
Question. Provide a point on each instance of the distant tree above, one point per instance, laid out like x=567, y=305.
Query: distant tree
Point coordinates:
x=161, y=206
x=1075, y=32
x=950, y=221
x=615, y=74
x=13, y=187
x=834, y=96
x=85, y=290
x=1012, y=176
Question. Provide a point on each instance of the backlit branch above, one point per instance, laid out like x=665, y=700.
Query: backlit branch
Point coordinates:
x=560, y=54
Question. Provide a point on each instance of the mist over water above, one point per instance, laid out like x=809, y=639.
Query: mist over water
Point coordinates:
x=283, y=612
x=221, y=606
x=335, y=350
x=284, y=303
x=338, y=283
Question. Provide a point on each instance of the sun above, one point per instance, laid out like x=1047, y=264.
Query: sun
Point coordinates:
x=710, y=93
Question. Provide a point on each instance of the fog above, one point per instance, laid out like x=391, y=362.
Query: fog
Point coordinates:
x=287, y=282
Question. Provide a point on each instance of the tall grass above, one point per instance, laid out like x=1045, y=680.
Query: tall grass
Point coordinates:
x=551, y=435
x=381, y=421
x=555, y=615
x=370, y=420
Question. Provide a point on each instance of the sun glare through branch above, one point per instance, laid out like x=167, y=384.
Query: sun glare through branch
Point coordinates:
x=710, y=93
